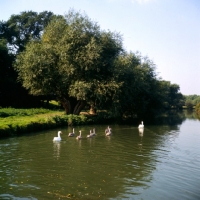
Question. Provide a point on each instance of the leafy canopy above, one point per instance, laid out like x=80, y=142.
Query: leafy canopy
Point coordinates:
x=74, y=59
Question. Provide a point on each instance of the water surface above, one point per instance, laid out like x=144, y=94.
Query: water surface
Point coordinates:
x=162, y=162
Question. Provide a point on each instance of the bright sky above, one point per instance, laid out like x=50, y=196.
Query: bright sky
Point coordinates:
x=167, y=31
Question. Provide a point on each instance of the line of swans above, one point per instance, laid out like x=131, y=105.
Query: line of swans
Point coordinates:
x=92, y=133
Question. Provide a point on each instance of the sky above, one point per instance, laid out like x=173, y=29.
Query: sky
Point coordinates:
x=167, y=31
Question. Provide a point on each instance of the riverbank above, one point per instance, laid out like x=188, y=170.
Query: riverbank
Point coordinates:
x=20, y=121
x=14, y=122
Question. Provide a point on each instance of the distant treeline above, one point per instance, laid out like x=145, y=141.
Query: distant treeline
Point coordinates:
x=68, y=58
x=190, y=101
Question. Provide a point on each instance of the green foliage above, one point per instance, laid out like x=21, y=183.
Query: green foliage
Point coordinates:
x=24, y=27
x=7, y=112
x=140, y=91
x=14, y=35
x=8, y=76
x=197, y=109
x=74, y=61
x=76, y=120
x=19, y=121
x=69, y=57
x=189, y=105
x=169, y=95
x=192, y=99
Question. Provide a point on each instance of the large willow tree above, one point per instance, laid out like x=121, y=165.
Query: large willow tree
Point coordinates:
x=74, y=61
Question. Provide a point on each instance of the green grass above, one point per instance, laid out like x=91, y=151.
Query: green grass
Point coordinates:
x=19, y=121
x=7, y=112
x=22, y=121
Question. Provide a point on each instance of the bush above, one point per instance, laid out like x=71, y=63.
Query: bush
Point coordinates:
x=18, y=121
x=197, y=109
x=189, y=105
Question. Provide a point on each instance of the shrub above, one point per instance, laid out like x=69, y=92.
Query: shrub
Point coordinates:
x=197, y=109
x=189, y=105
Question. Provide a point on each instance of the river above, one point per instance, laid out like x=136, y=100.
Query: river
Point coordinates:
x=162, y=162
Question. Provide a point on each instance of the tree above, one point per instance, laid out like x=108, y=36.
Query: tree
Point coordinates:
x=194, y=99
x=73, y=61
x=11, y=92
x=80, y=65
x=138, y=82
x=7, y=74
x=22, y=28
x=189, y=105
x=169, y=95
x=14, y=35
x=197, y=109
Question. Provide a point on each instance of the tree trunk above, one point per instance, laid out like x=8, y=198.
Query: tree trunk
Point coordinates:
x=79, y=106
x=66, y=105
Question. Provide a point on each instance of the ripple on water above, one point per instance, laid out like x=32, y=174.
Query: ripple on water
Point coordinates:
x=158, y=164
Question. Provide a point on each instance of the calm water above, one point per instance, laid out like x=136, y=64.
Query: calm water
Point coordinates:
x=163, y=162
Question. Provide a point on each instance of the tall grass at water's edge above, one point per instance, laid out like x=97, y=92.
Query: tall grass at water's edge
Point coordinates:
x=20, y=121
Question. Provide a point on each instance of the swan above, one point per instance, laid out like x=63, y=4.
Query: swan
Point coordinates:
x=141, y=132
x=90, y=135
x=141, y=125
x=94, y=133
x=108, y=133
x=58, y=138
x=72, y=134
x=107, y=129
x=79, y=136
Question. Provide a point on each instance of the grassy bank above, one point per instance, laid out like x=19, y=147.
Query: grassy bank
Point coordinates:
x=19, y=121
x=23, y=121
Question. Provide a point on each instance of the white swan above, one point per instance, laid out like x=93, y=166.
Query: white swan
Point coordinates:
x=141, y=131
x=90, y=135
x=57, y=138
x=109, y=133
x=79, y=136
x=72, y=134
x=141, y=125
x=107, y=129
x=94, y=133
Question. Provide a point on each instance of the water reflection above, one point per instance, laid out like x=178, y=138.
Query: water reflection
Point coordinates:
x=131, y=164
x=79, y=141
x=56, y=146
x=190, y=114
x=171, y=117
x=141, y=133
